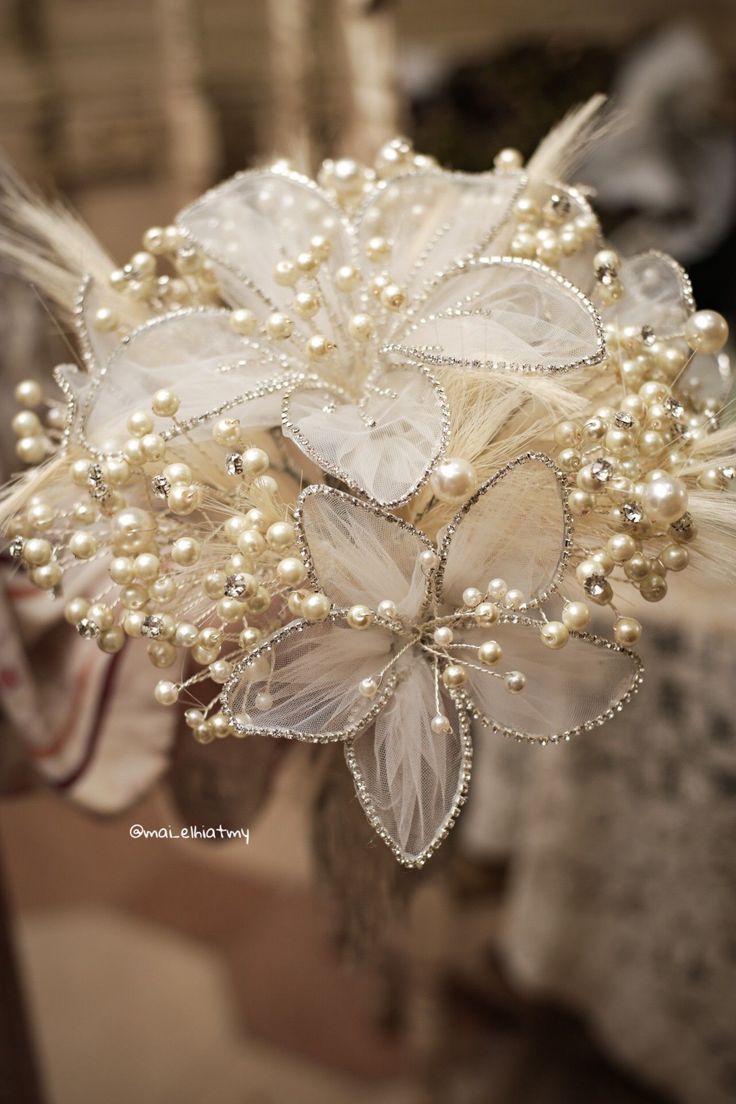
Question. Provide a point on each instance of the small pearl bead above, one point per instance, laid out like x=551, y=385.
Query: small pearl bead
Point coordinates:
x=280, y=536
x=515, y=681
x=621, y=547
x=486, y=613
x=627, y=631
x=580, y=502
x=440, y=724
x=255, y=461
x=165, y=403
x=28, y=393
x=82, y=546
x=508, y=159
x=26, y=424
x=204, y=733
x=675, y=557
x=264, y=700
x=360, y=617
x=347, y=278
x=454, y=676
x=186, y=634
x=31, y=450
x=386, y=609
x=306, y=304
x=653, y=587
x=47, y=576
x=554, y=634
x=251, y=543
x=184, y=498
x=638, y=567
x=368, y=687
x=706, y=331
x=377, y=248
x=393, y=297
x=285, y=274
x=226, y=432
x=576, y=615
x=429, y=560
x=166, y=693
x=489, y=652
x=243, y=321
x=185, y=551
x=140, y=423
x=318, y=347
x=316, y=607
x=105, y=320
x=37, y=551
x=278, y=326
x=75, y=610
x=665, y=499
x=514, y=598
x=497, y=589
x=453, y=479
x=443, y=636
x=111, y=640
x=472, y=597
x=220, y=671
x=361, y=327
x=291, y=571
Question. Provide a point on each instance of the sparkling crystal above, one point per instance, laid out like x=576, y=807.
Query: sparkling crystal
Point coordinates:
x=560, y=204
x=595, y=585
x=623, y=420
x=234, y=463
x=95, y=474
x=673, y=407
x=153, y=625
x=648, y=335
x=15, y=548
x=160, y=486
x=683, y=524
x=236, y=585
x=601, y=470
x=728, y=473
x=90, y=630
x=632, y=512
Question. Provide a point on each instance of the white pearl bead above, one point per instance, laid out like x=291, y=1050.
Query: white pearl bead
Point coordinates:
x=576, y=615
x=665, y=499
x=220, y=671
x=554, y=634
x=497, y=589
x=514, y=598
x=167, y=693
x=280, y=536
x=627, y=631
x=675, y=557
x=386, y=609
x=184, y=498
x=243, y=321
x=264, y=700
x=368, y=687
x=278, y=326
x=226, y=431
x=28, y=393
x=706, y=331
x=440, y=724
x=428, y=559
x=316, y=607
x=515, y=681
x=291, y=571
x=31, y=450
x=360, y=617
x=489, y=652
x=186, y=634
x=255, y=461
x=361, y=327
x=453, y=479
x=82, y=546
x=37, y=551
x=454, y=676
x=443, y=636
x=26, y=423
x=472, y=597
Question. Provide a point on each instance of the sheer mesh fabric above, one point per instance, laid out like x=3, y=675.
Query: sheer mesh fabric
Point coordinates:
x=504, y=313
x=564, y=689
x=252, y=222
x=312, y=674
x=198, y=355
x=654, y=294
x=514, y=531
x=434, y=220
x=98, y=345
x=387, y=460
x=709, y=376
x=578, y=268
x=360, y=556
x=412, y=775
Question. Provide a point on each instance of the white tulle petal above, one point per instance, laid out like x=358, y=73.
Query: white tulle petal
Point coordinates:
x=95, y=345
x=506, y=314
x=571, y=205
x=383, y=446
x=516, y=528
x=197, y=355
x=656, y=292
x=567, y=691
x=257, y=219
x=410, y=781
x=359, y=554
x=435, y=219
x=311, y=675
x=708, y=376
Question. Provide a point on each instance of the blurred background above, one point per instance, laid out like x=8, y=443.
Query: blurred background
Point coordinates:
x=575, y=941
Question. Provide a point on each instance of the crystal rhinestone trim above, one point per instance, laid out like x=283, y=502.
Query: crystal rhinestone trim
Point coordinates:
x=602, y=470
x=153, y=626
x=90, y=630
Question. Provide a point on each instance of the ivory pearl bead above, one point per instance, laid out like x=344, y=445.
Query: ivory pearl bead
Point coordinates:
x=428, y=559
x=185, y=551
x=279, y=327
x=47, y=576
x=368, y=687
x=621, y=547
x=440, y=724
x=184, y=498
x=361, y=327
x=316, y=607
x=653, y=587
x=31, y=450
x=28, y=393
x=264, y=700
x=626, y=631
x=443, y=636
x=674, y=557
x=453, y=479
x=489, y=652
x=486, y=613
x=255, y=462
x=167, y=693
x=82, y=546
x=280, y=536
x=554, y=634
x=360, y=617
x=111, y=640
x=576, y=615
x=243, y=321
x=186, y=634
x=220, y=671
x=472, y=597
x=37, y=551
x=291, y=571
x=706, y=331
x=26, y=423
x=165, y=403
x=665, y=499
x=386, y=609
x=75, y=610
x=140, y=423
x=497, y=589
x=515, y=681
x=454, y=676
x=226, y=432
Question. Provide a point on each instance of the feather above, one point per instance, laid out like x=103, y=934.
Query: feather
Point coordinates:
x=557, y=155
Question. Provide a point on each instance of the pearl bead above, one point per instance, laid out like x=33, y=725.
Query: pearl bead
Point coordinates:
x=706, y=331
x=360, y=617
x=279, y=327
x=361, y=327
x=318, y=347
x=26, y=424
x=37, y=551
x=117, y=472
x=626, y=631
x=105, y=320
x=515, y=681
x=453, y=479
x=185, y=551
x=204, y=733
x=580, y=502
x=285, y=274
x=250, y=637
x=576, y=615
x=429, y=560
x=489, y=652
x=140, y=423
x=147, y=566
x=638, y=567
x=514, y=598
x=132, y=522
x=266, y=484
x=186, y=634
x=621, y=547
x=167, y=693
x=280, y=536
x=316, y=607
x=47, y=576
x=347, y=278
x=497, y=589
x=386, y=609
x=472, y=597
x=82, y=546
x=393, y=297
x=31, y=450
x=554, y=634
x=454, y=676
x=28, y=393
x=75, y=610
x=486, y=613
x=264, y=700
x=226, y=432
x=653, y=587
x=507, y=160
x=184, y=498
x=377, y=248
x=133, y=623
x=440, y=724
x=220, y=671
x=368, y=687
x=111, y=640
x=675, y=557
x=291, y=571
x=255, y=461
x=443, y=636
x=243, y=321
x=665, y=499
x=252, y=543
x=306, y=304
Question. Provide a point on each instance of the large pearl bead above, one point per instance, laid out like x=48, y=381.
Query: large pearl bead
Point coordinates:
x=554, y=634
x=665, y=499
x=575, y=615
x=706, y=331
x=453, y=479
x=454, y=676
